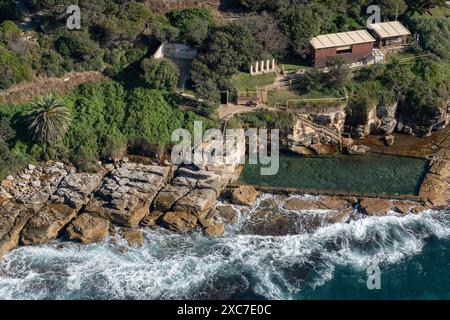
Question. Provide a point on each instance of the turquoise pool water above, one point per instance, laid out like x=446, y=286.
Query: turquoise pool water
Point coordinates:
x=374, y=173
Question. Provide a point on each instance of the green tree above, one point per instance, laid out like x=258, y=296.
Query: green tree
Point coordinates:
x=268, y=33
x=151, y=117
x=303, y=22
x=205, y=82
x=230, y=48
x=48, y=120
x=162, y=30
x=160, y=74
x=9, y=10
x=391, y=8
x=194, y=24
x=13, y=69
x=6, y=132
x=424, y=5
x=433, y=32
x=338, y=75
x=398, y=78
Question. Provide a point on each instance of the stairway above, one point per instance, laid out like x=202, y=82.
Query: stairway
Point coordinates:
x=322, y=129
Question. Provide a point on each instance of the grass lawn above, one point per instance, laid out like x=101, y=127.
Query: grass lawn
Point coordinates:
x=442, y=11
x=282, y=95
x=246, y=82
x=294, y=64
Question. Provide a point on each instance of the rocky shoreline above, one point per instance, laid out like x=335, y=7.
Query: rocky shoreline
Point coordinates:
x=52, y=201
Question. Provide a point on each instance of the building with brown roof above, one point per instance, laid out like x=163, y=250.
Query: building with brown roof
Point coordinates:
x=390, y=34
x=351, y=46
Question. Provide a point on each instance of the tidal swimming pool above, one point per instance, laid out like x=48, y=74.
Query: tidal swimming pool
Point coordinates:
x=374, y=173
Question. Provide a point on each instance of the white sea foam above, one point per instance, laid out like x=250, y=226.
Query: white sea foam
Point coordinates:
x=180, y=266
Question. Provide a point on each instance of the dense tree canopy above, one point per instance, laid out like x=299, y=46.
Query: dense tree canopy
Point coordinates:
x=161, y=74
x=9, y=10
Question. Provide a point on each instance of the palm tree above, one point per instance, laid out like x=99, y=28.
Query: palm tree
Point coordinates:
x=48, y=120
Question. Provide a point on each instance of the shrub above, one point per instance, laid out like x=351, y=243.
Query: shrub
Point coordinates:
x=160, y=74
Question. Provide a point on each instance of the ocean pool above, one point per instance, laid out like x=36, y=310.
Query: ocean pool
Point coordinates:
x=371, y=173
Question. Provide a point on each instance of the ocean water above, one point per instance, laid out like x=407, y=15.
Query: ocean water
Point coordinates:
x=319, y=261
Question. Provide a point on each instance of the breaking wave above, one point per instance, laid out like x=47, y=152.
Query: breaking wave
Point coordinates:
x=237, y=265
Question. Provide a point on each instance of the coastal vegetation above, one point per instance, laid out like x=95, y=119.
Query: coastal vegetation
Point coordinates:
x=140, y=106
x=106, y=120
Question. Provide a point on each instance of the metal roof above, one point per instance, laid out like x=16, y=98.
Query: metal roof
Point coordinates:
x=341, y=39
x=389, y=29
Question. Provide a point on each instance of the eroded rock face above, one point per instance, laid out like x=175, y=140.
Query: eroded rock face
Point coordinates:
x=244, y=195
x=436, y=186
x=151, y=219
x=88, y=228
x=75, y=188
x=387, y=121
x=4, y=196
x=200, y=179
x=47, y=223
x=126, y=194
x=180, y=222
x=13, y=217
x=37, y=183
x=306, y=134
x=168, y=196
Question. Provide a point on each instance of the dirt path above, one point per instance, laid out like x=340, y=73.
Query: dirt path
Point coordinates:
x=26, y=92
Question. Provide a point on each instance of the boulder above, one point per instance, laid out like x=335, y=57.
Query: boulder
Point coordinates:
x=88, y=228
x=151, y=219
x=358, y=150
x=228, y=213
x=168, y=196
x=47, y=223
x=244, y=195
x=389, y=139
x=407, y=207
x=388, y=126
x=215, y=230
x=375, y=207
x=13, y=218
x=340, y=216
x=197, y=202
x=302, y=150
x=134, y=238
x=180, y=222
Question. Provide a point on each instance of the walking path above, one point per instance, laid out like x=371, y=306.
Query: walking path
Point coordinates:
x=28, y=91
